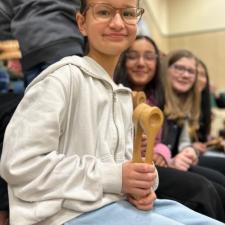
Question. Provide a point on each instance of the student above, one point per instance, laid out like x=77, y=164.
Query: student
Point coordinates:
x=139, y=69
x=67, y=149
x=46, y=31
x=203, y=84
x=201, y=135
x=182, y=104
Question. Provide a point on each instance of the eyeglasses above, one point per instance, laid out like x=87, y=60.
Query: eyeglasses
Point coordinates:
x=104, y=13
x=147, y=56
x=182, y=69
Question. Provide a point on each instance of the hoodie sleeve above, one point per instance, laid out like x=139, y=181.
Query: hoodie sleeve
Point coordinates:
x=31, y=162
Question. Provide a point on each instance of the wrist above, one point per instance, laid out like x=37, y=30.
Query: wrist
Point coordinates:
x=197, y=152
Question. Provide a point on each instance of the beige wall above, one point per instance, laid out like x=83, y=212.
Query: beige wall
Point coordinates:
x=195, y=16
x=158, y=9
x=152, y=19
x=205, y=36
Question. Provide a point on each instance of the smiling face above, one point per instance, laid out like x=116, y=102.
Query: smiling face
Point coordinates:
x=141, y=63
x=182, y=74
x=107, y=38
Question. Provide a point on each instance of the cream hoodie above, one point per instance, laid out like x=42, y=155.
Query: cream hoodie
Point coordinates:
x=65, y=145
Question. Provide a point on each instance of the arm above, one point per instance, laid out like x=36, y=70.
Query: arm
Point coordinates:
x=187, y=155
x=185, y=143
x=6, y=15
x=33, y=163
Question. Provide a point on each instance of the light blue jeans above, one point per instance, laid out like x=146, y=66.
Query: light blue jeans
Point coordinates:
x=165, y=212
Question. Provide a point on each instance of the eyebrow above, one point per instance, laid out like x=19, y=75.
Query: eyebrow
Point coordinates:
x=123, y=6
x=187, y=67
x=130, y=6
x=146, y=51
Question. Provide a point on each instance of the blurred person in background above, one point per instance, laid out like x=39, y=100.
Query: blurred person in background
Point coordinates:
x=202, y=142
x=45, y=31
x=4, y=79
x=182, y=109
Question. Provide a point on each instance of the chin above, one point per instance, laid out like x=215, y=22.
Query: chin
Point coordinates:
x=115, y=51
x=183, y=90
x=122, y=45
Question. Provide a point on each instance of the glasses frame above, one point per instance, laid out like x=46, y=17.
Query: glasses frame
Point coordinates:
x=140, y=12
x=184, y=69
x=153, y=57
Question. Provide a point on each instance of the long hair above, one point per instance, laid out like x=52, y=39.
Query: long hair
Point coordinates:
x=205, y=114
x=180, y=106
x=154, y=87
x=83, y=5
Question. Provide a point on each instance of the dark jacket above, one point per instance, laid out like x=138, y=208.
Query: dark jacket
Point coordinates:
x=171, y=135
x=8, y=104
x=220, y=101
x=46, y=29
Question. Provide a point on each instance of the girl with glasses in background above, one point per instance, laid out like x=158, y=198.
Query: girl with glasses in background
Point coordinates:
x=182, y=109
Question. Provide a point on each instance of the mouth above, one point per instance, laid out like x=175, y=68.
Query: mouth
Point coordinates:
x=115, y=36
x=183, y=85
x=183, y=82
x=139, y=72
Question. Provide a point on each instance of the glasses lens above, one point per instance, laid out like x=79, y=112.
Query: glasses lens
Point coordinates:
x=130, y=15
x=150, y=56
x=132, y=55
x=183, y=69
x=102, y=12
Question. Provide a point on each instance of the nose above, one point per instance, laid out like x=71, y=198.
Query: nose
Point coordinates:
x=186, y=73
x=141, y=60
x=117, y=21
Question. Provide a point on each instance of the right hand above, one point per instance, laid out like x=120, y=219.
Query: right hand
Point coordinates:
x=184, y=159
x=138, y=179
x=201, y=147
x=145, y=203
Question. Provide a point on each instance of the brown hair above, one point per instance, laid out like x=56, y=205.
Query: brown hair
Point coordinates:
x=83, y=5
x=180, y=106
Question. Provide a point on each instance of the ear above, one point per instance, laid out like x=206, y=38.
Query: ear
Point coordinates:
x=81, y=22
